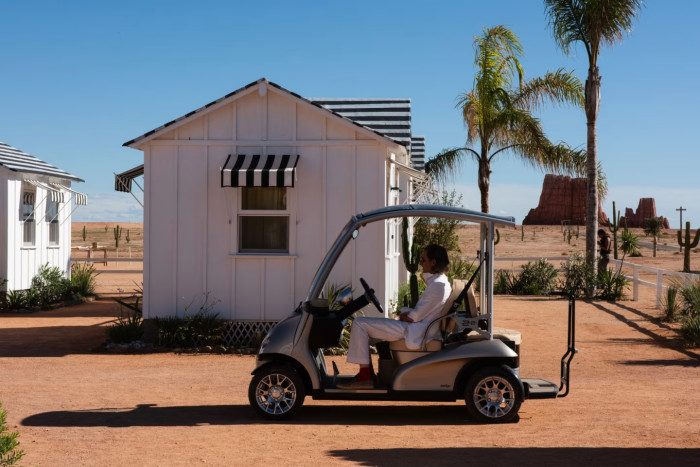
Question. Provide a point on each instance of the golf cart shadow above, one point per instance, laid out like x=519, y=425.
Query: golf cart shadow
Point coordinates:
x=195, y=415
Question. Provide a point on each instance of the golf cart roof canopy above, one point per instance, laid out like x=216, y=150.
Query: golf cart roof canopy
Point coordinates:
x=392, y=212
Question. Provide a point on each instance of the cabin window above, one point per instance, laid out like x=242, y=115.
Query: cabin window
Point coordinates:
x=27, y=218
x=263, y=226
x=52, y=221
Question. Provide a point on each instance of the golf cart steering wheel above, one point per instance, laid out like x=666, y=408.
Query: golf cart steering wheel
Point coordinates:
x=369, y=293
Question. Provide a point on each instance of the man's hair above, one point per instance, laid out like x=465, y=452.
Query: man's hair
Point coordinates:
x=439, y=254
x=602, y=232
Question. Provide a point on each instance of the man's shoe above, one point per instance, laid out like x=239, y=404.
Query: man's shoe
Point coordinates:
x=356, y=384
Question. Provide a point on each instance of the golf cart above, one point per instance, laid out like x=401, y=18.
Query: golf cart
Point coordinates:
x=473, y=361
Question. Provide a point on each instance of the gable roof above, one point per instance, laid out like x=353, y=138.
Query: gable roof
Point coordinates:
x=404, y=141
x=18, y=161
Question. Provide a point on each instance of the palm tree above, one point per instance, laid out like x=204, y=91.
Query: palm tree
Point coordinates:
x=594, y=23
x=653, y=227
x=498, y=114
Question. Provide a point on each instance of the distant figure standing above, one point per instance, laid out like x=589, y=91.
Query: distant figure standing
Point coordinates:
x=604, y=248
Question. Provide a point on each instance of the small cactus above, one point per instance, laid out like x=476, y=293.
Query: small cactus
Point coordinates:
x=117, y=235
x=687, y=245
x=84, y=233
x=498, y=238
x=128, y=239
x=522, y=233
x=614, y=227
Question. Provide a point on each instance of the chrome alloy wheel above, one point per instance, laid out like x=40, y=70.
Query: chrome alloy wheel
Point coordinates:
x=494, y=397
x=276, y=394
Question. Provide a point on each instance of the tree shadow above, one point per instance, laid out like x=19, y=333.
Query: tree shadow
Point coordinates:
x=672, y=344
x=197, y=415
x=400, y=457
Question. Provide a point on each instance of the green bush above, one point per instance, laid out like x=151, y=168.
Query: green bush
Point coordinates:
x=127, y=329
x=670, y=304
x=51, y=286
x=196, y=329
x=611, y=285
x=15, y=299
x=690, y=330
x=691, y=299
x=579, y=276
x=534, y=279
x=83, y=278
x=9, y=454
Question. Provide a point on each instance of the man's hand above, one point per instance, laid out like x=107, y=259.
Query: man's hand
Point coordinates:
x=404, y=317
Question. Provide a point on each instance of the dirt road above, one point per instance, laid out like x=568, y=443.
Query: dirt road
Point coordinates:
x=634, y=400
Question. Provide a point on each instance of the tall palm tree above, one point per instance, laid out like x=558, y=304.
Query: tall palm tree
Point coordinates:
x=653, y=227
x=594, y=23
x=498, y=113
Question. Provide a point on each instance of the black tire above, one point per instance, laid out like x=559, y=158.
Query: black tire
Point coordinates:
x=493, y=395
x=277, y=392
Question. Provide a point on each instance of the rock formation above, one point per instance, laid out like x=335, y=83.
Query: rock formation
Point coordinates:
x=645, y=210
x=563, y=199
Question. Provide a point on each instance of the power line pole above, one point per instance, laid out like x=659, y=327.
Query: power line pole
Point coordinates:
x=681, y=209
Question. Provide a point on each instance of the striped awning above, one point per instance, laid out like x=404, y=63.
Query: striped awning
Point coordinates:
x=122, y=181
x=80, y=198
x=54, y=194
x=257, y=170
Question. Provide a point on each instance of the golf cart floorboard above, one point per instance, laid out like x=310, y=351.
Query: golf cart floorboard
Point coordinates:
x=537, y=388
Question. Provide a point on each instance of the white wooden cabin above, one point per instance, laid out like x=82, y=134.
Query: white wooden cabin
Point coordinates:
x=243, y=196
x=35, y=216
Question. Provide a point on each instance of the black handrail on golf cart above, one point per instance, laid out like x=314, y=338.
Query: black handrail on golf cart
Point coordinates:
x=571, y=349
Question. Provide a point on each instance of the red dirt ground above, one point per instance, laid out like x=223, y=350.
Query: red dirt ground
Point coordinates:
x=634, y=395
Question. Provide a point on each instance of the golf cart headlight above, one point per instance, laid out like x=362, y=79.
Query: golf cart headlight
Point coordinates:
x=264, y=343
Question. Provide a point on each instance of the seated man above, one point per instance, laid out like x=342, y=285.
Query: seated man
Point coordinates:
x=411, y=324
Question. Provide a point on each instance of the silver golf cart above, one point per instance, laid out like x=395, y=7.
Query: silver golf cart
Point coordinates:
x=472, y=361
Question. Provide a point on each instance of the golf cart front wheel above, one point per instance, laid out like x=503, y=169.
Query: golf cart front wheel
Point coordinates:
x=276, y=392
x=493, y=395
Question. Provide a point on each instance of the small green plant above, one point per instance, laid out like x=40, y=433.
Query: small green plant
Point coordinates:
x=201, y=328
x=503, y=282
x=579, y=276
x=84, y=233
x=687, y=245
x=653, y=227
x=691, y=299
x=127, y=329
x=50, y=286
x=670, y=304
x=537, y=278
x=9, y=454
x=128, y=238
x=83, y=279
x=629, y=244
x=117, y=235
x=15, y=299
x=690, y=330
x=611, y=285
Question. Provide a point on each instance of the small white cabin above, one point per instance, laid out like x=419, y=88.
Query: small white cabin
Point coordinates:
x=35, y=216
x=243, y=197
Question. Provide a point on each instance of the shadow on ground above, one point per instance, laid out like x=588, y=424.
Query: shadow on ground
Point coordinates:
x=517, y=456
x=152, y=415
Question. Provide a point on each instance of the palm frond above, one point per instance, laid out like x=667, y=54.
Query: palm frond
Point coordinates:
x=557, y=87
x=447, y=163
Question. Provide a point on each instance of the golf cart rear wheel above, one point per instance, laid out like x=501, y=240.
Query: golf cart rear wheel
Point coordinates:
x=493, y=395
x=276, y=392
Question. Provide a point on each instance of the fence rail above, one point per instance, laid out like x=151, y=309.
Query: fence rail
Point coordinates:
x=106, y=260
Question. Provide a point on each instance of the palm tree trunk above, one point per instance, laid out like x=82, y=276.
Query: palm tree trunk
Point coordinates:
x=484, y=182
x=592, y=105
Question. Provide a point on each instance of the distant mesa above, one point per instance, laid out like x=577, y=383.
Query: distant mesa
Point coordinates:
x=563, y=199
x=645, y=210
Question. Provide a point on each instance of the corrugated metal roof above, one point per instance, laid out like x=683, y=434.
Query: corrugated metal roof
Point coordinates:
x=381, y=122
x=18, y=161
x=418, y=152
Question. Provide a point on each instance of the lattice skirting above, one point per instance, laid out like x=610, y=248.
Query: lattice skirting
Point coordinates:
x=244, y=333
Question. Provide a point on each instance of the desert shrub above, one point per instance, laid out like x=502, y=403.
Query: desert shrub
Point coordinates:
x=173, y=332
x=51, y=286
x=611, y=285
x=15, y=299
x=691, y=299
x=670, y=304
x=83, y=278
x=537, y=278
x=128, y=328
x=442, y=232
x=690, y=330
x=204, y=327
x=579, y=276
x=9, y=454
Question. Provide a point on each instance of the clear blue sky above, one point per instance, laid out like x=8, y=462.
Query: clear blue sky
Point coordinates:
x=79, y=78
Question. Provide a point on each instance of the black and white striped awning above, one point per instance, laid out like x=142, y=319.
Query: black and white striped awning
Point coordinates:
x=54, y=194
x=122, y=181
x=80, y=198
x=257, y=170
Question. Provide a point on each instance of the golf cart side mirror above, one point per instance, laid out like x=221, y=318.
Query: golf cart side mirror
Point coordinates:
x=344, y=297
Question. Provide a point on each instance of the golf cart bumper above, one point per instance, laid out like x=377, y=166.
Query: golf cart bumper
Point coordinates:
x=537, y=388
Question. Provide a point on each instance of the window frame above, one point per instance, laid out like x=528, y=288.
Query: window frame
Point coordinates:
x=244, y=213
x=28, y=220
x=53, y=223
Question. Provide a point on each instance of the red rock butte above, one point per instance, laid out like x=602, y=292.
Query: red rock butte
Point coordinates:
x=563, y=199
x=645, y=210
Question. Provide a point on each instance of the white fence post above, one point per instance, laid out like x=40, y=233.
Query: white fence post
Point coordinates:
x=659, y=287
x=635, y=284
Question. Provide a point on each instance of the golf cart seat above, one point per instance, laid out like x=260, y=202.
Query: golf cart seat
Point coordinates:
x=402, y=354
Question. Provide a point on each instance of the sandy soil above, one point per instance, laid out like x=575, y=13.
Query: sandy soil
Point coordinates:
x=633, y=399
